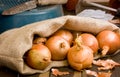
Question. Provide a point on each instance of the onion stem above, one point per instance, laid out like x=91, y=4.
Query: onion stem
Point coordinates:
x=105, y=50
x=62, y=45
x=78, y=42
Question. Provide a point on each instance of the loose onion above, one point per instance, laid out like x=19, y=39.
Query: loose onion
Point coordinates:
x=39, y=40
x=38, y=57
x=109, y=42
x=58, y=47
x=67, y=35
x=80, y=56
x=90, y=41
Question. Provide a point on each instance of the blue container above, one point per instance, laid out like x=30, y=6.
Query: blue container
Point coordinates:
x=27, y=17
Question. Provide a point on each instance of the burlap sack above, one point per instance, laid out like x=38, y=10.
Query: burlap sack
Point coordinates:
x=16, y=42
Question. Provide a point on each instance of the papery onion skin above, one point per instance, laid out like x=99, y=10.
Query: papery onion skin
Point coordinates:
x=80, y=57
x=38, y=57
x=90, y=41
x=66, y=34
x=109, y=42
x=58, y=47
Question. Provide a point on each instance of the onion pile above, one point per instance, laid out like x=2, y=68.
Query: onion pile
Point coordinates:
x=80, y=56
x=109, y=42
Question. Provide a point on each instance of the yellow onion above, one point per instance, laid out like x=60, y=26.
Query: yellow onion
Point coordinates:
x=109, y=42
x=66, y=34
x=38, y=57
x=90, y=41
x=58, y=47
x=80, y=56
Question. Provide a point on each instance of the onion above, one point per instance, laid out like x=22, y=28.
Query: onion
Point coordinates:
x=39, y=40
x=58, y=47
x=90, y=41
x=109, y=42
x=66, y=34
x=38, y=57
x=80, y=56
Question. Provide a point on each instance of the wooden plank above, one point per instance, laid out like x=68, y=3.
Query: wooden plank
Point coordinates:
x=99, y=1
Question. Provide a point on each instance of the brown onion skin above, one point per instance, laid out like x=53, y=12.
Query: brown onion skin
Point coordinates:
x=39, y=40
x=80, y=57
x=38, y=57
x=66, y=34
x=58, y=47
x=109, y=40
x=90, y=41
